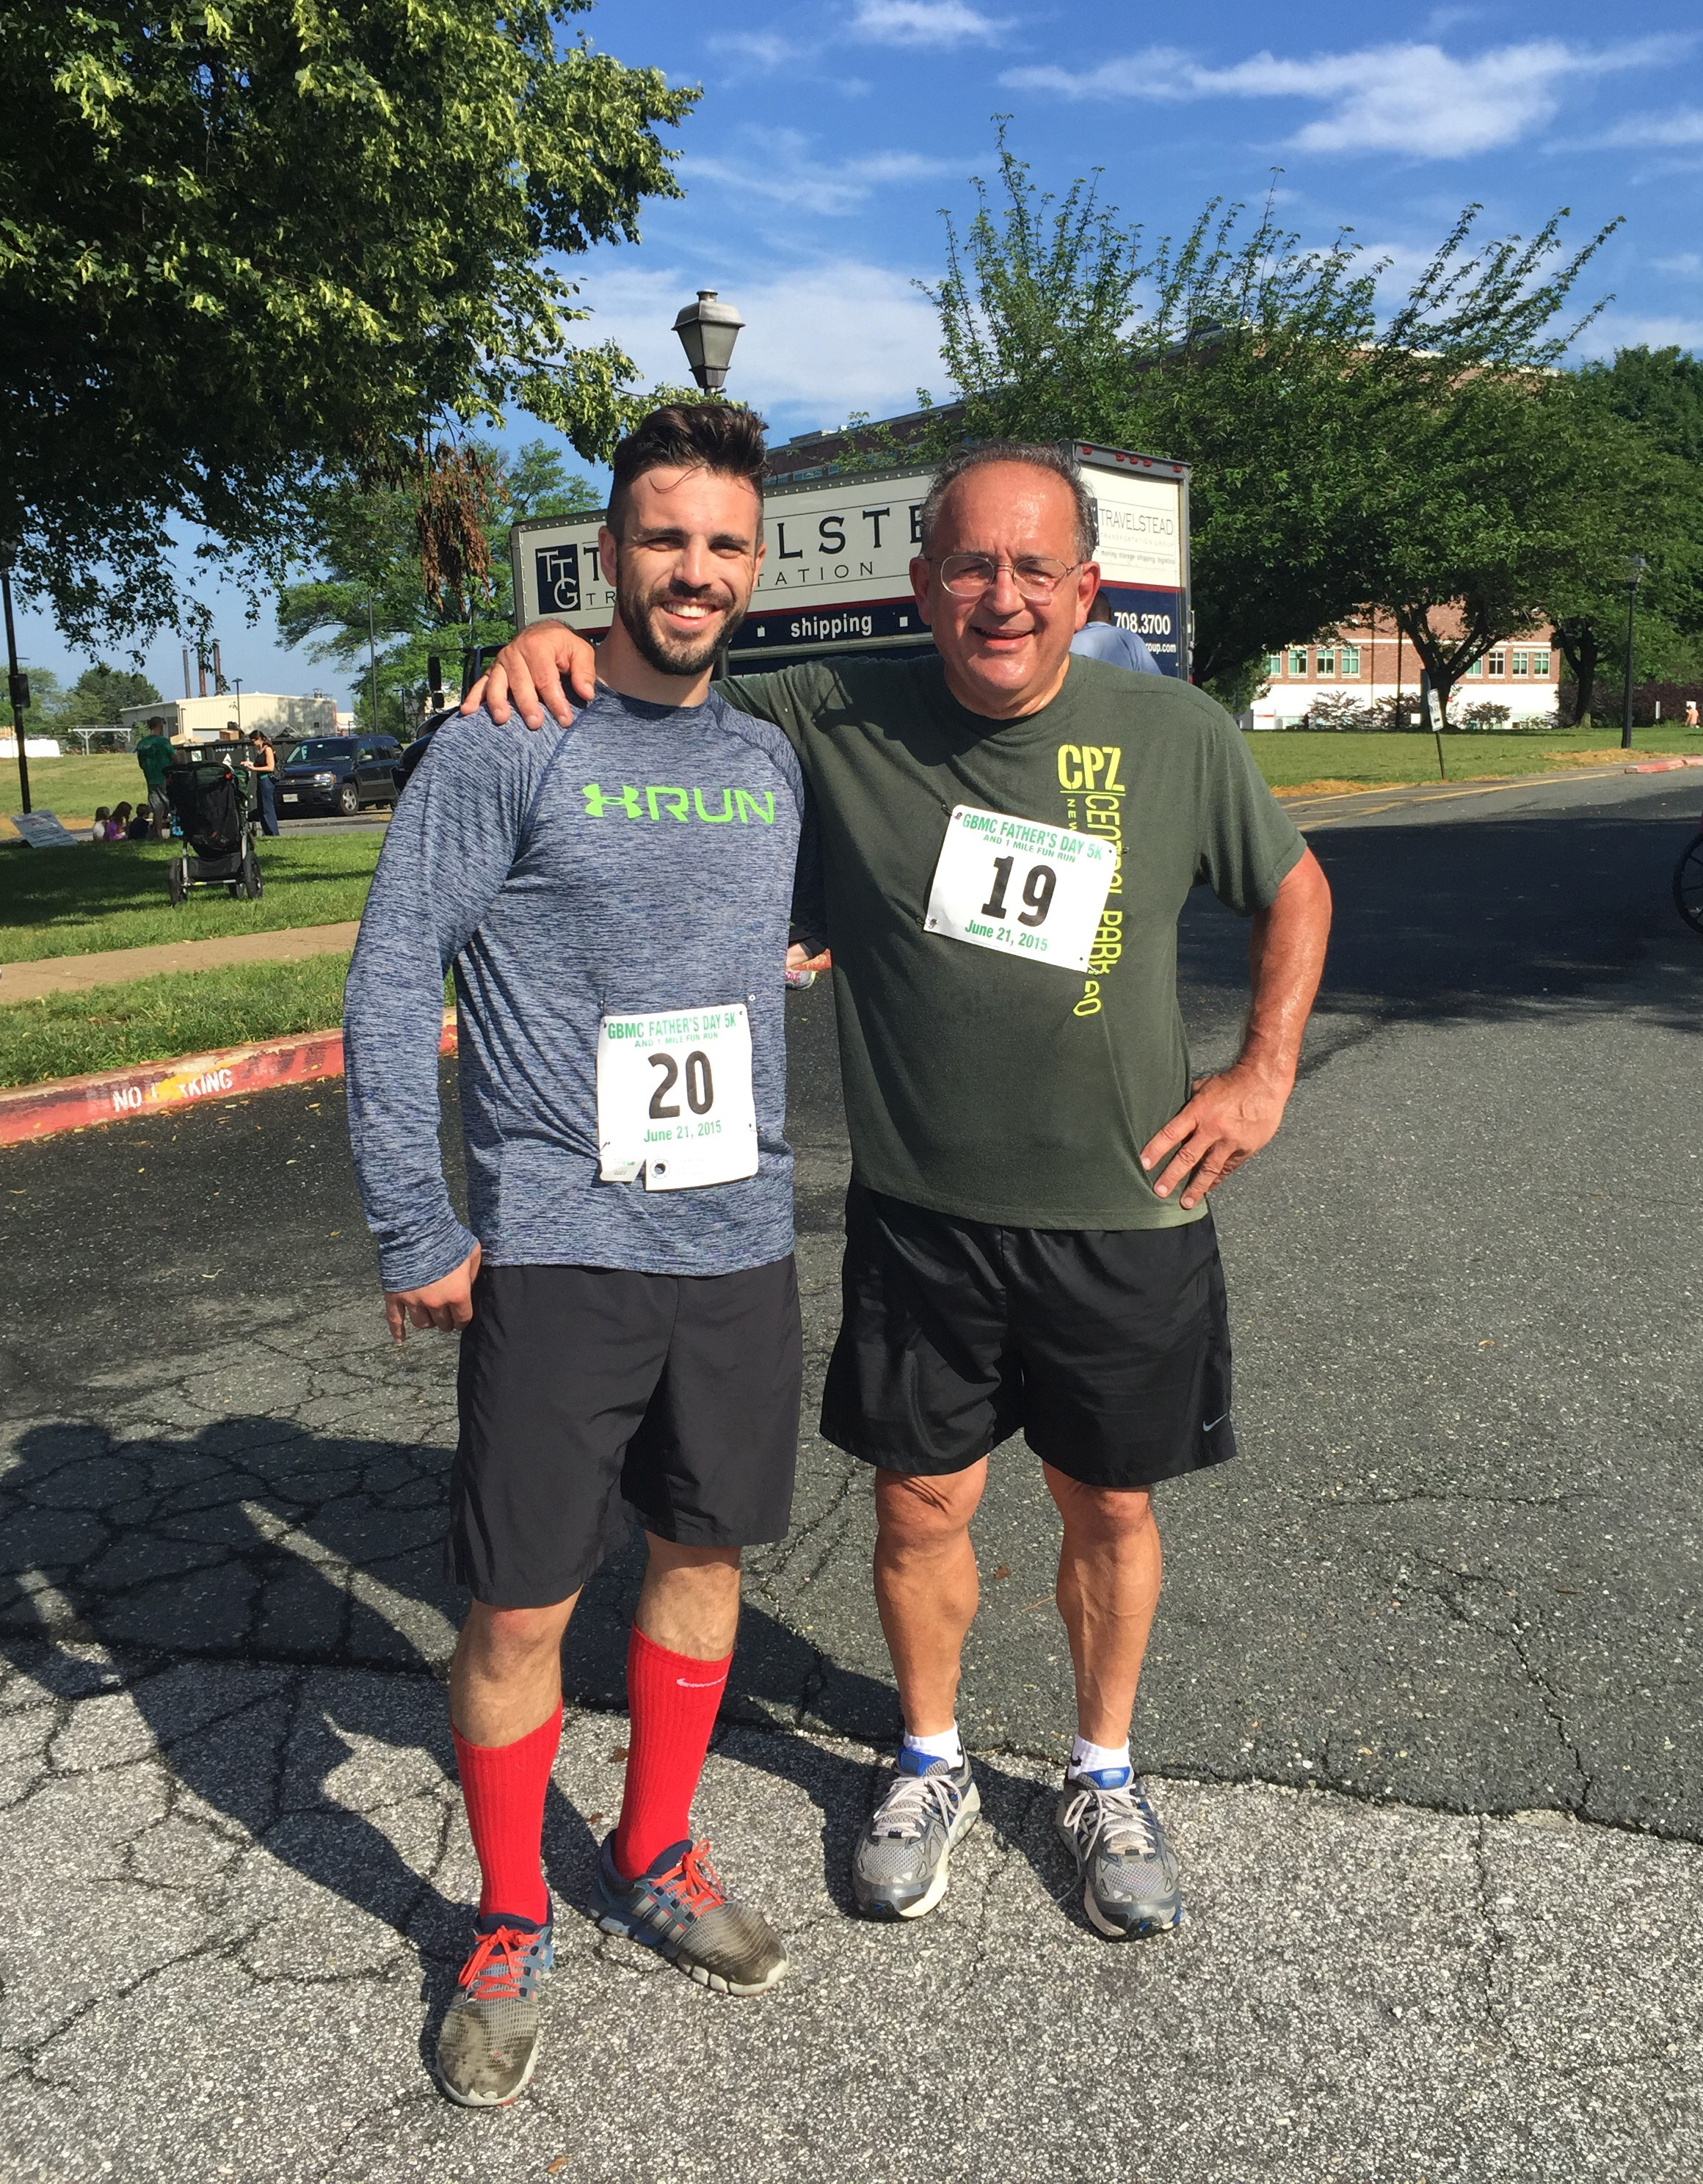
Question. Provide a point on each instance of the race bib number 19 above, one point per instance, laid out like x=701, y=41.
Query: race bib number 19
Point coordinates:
x=675, y=1099
x=1030, y=891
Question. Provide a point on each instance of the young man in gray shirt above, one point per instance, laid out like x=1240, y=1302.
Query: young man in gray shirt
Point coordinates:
x=615, y=898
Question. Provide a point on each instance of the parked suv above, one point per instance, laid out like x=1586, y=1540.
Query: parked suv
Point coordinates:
x=338, y=773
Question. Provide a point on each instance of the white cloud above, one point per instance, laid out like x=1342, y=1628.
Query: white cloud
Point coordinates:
x=1411, y=99
x=1651, y=132
x=762, y=50
x=926, y=23
x=1628, y=330
x=783, y=171
x=1687, y=262
x=827, y=338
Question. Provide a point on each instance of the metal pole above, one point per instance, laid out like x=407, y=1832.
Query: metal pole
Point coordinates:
x=14, y=677
x=373, y=661
x=1626, y=717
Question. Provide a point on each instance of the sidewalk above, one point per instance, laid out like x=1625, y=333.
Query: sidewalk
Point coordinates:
x=75, y=974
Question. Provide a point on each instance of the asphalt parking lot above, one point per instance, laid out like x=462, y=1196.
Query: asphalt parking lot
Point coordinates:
x=1423, y=1701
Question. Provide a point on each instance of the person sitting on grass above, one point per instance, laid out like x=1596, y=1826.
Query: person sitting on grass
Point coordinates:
x=119, y=823
x=140, y=827
x=103, y=829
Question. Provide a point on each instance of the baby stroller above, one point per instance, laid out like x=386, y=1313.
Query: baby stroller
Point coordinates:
x=217, y=810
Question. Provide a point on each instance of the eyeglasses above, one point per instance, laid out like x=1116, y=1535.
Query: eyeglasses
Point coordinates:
x=1037, y=575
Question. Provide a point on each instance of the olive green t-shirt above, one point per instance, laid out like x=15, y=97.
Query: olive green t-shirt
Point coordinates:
x=979, y=1084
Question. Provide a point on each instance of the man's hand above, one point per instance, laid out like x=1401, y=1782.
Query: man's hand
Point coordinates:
x=1230, y=1117
x=446, y=1304
x=527, y=674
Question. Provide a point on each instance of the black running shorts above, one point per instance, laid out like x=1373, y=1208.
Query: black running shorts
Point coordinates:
x=590, y=1394
x=1109, y=1347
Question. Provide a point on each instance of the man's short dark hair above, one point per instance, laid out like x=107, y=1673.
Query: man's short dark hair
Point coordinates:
x=1100, y=608
x=1041, y=457
x=689, y=435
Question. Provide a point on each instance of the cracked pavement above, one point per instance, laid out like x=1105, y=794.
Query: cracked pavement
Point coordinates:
x=1422, y=1708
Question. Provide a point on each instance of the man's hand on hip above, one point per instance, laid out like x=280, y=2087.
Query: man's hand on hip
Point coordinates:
x=1229, y=1118
x=446, y=1304
x=535, y=671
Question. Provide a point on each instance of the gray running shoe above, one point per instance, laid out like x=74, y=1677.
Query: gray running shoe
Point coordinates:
x=678, y=1907
x=1127, y=1866
x=901, y=1864
x=489, y=2044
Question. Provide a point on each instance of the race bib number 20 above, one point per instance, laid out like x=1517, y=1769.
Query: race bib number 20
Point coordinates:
x=675, y=1099
x=1029, y=890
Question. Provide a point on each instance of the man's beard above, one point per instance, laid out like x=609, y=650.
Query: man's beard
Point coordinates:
x=668, y=656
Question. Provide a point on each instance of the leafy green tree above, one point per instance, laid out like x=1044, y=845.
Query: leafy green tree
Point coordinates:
x=368, y=548
x=1648, y=405
x=250, y=248
x=100, y=694
x=46, y=695
x=1266, y=367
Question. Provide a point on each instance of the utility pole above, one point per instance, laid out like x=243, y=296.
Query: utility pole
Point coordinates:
x=17, y=682
x=372, y=664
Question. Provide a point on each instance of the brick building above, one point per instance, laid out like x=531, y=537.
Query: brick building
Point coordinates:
x=1369, y=662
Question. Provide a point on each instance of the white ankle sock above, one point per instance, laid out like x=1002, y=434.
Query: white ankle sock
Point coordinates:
x=1087, y=1759
x=945, y=1744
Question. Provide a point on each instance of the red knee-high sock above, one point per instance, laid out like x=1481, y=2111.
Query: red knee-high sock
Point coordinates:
x=503, y=1787
x=672, y=1700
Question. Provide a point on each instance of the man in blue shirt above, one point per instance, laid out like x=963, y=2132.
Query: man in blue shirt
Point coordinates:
x=1100, y=638
x=614, y=898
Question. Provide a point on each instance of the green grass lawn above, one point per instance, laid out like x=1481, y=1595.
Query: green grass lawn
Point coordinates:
x=75, y=902
x=1292, y=757
x=157, y=1019
x=73, y=787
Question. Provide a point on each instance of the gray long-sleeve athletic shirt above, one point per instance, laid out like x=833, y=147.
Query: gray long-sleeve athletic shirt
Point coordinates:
x=642, y=860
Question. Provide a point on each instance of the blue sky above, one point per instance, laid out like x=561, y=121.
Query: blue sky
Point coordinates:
x=829, y=137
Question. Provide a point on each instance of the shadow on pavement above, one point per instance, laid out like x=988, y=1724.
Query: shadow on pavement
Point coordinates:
x=1503, y=918
x=272, y=1553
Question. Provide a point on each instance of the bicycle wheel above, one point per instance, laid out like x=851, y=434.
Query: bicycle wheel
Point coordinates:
x=1687, y=886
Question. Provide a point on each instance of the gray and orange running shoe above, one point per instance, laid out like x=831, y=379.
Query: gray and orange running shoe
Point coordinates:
x=1123, y=1858
x=903, y=1859
x=678, y=1907
x=488, y=2046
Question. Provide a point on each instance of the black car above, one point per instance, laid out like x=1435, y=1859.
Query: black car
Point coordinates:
x=338, y=773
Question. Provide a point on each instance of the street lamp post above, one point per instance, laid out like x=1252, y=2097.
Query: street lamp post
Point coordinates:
x=373, y=663
x=1635, y=567
x=708, y=330
x=17, y=682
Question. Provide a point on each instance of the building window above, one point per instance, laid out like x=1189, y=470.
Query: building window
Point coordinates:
x=1540, y=663
x=1351, y=660
x=1327, y=659
x=1298, y=659
x=1497, y=664
x=1522, y=660
x=1274, y=663
x=1478, y=667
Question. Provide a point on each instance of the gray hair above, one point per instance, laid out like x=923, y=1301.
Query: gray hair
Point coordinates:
x=1056, y=460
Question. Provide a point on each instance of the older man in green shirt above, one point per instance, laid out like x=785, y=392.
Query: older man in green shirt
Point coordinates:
x=1009, y=834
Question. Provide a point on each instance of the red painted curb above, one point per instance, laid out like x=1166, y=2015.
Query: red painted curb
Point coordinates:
x=1664, y=765
x=124, y=1096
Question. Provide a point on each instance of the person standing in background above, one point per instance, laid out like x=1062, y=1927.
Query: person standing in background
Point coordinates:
x=264, y=761
x=1100, y=638
x=153, y=756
